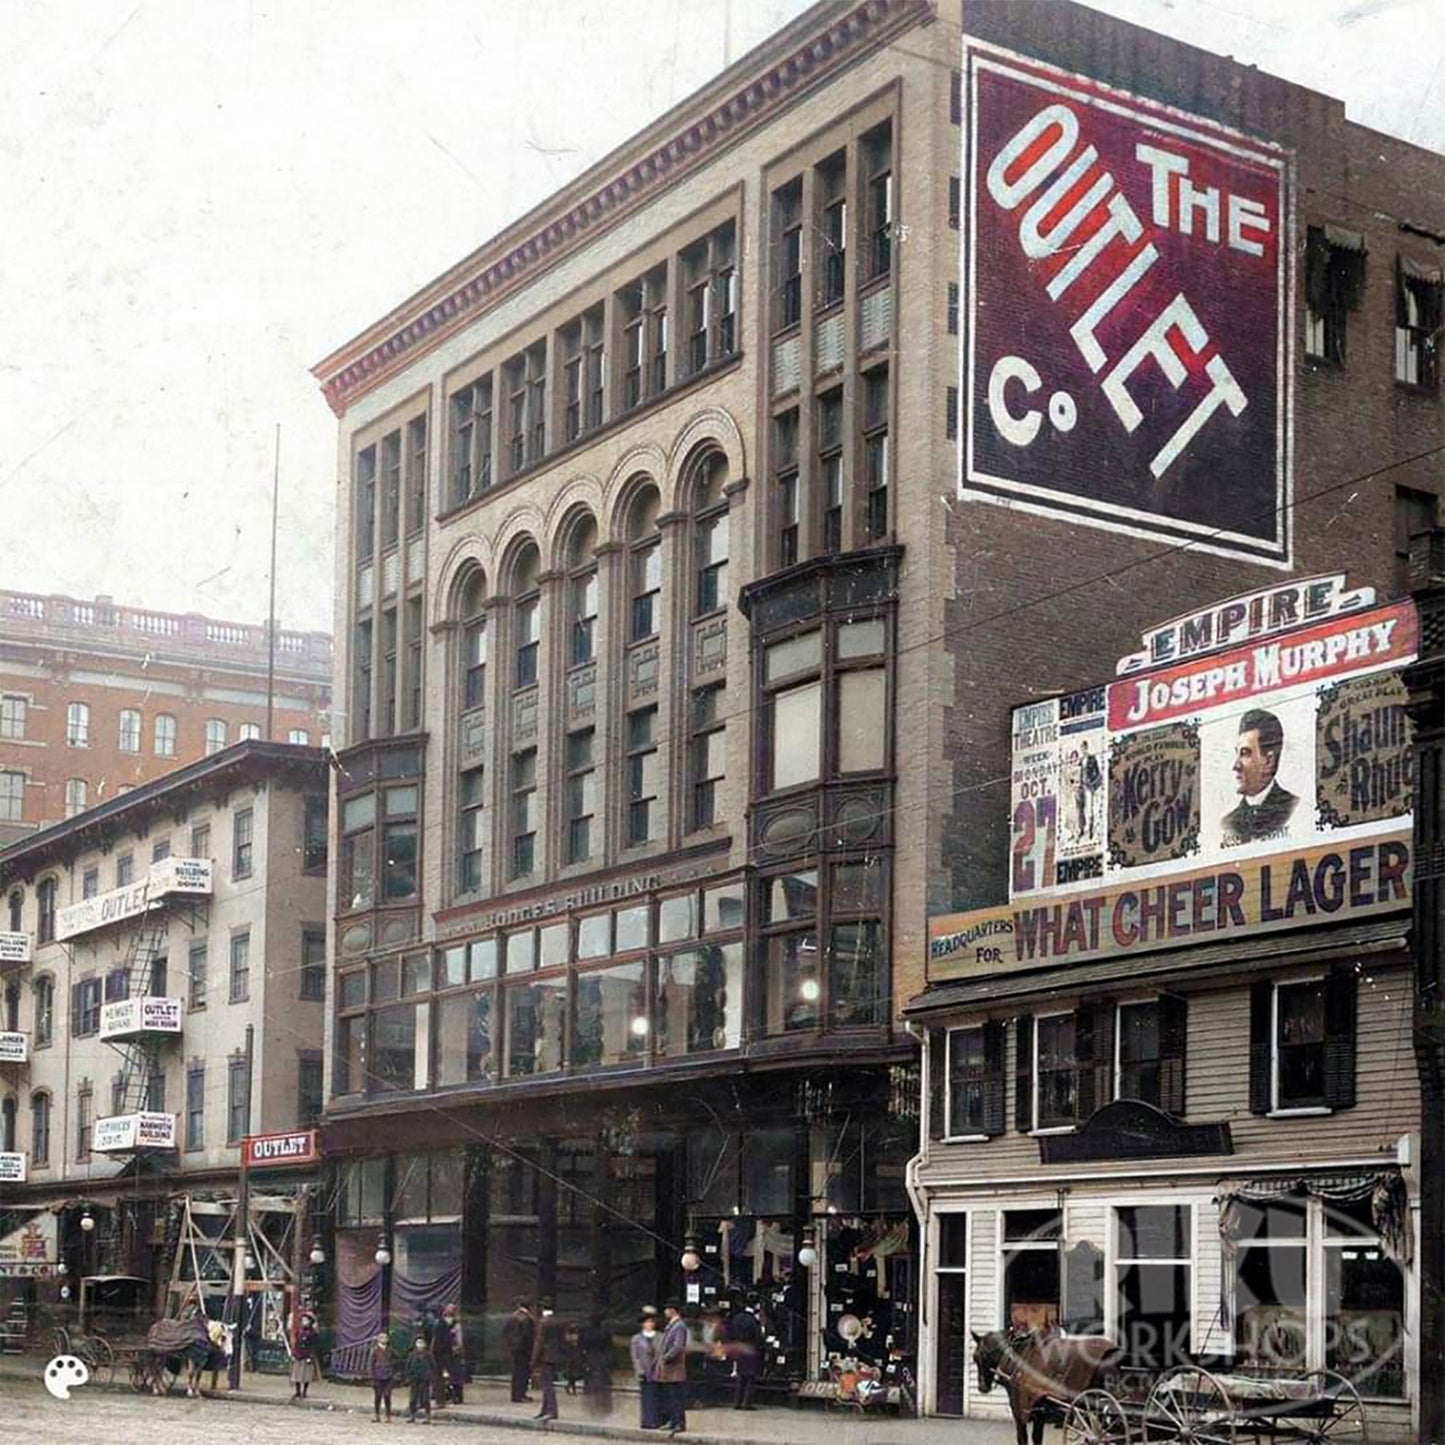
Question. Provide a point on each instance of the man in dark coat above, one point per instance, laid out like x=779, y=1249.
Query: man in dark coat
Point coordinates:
x=519, y=1335
x=672, y=1368
x=548, y=1354
x=745, y=1347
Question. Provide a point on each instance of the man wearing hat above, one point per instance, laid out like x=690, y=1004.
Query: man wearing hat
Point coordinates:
x=745, y=1345
x=672, y=1368
x=519, y=1335
x=547, y=1355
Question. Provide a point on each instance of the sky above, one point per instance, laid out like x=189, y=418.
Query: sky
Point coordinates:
x=201, y=200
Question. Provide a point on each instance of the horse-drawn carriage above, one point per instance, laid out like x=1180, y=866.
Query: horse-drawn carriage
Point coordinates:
x=176, y=1348
x=1080, y=1382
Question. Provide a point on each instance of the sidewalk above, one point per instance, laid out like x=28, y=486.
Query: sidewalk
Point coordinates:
x=488, y=1403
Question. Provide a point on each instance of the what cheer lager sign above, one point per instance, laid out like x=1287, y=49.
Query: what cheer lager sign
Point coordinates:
x=1264, y=782
x=1126, y=272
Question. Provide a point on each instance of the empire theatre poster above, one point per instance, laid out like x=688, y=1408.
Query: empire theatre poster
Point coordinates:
x=1210, y=789
x=1127, y=359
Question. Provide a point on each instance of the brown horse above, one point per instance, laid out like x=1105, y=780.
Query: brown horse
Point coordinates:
x=1040, y=1371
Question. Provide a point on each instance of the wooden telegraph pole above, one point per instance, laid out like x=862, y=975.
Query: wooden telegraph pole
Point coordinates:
x=243, y=1234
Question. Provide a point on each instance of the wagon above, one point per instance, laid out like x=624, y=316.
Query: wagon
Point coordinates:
x=1192, y=1404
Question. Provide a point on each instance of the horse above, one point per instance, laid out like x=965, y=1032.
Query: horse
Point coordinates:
x=181, y=1347
x=1040, y=1370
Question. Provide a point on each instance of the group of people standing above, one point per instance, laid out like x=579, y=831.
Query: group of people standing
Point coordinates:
x=434, y=1368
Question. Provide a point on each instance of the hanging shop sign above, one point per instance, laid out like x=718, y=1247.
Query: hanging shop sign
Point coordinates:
x=140, y=1016
x=1128, y=356
x=271, y=1151
x=122, y=1132
x=14, y=948
x=12, y=1171
x=14, y=1048
x=169, y=876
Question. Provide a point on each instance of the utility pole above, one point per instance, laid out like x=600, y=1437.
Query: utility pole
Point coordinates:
x=271, y=613
x=243, y=1235
x=1425, y=685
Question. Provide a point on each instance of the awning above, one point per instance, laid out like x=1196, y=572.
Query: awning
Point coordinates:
x=1344, y=240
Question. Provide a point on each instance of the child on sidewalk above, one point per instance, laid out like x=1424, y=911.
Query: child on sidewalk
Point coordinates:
x=383, y=1372
x=419, y=1376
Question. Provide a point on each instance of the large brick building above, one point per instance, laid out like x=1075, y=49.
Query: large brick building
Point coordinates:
x=98, y=697
x=675, y=657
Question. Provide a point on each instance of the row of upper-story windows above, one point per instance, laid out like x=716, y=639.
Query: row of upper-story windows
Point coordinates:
x=15, y=710
x=1335, y=262
x=1068, y=1063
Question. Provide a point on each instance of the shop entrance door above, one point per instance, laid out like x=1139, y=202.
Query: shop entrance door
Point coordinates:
x=953, y=1344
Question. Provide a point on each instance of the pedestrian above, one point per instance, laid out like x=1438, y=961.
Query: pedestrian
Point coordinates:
x=383, y=1372
x=444, y=1364
x=547, y=1357
x=303, y=1355
x=452, y=1323
x=519, y=1334
x=595, y=1340
x=574, y=1367
x=419, y=1377
x=745, y=1346
x=644, y=1349
x=672, y=1367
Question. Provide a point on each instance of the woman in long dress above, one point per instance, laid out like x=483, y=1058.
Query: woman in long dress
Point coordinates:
x=303, y=1356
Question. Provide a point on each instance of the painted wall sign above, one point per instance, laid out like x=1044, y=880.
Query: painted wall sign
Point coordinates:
x=14, y=1048
x=123, y=1132
x=1128, y=357
x=1296, y=739
x=12, y=1171
x=1208, y=905
x=140, y=1015
x=14, y=948
x=30, y=1250
x=269, y=1151
x=170, y=875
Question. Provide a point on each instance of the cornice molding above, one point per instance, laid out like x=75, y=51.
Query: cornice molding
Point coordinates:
x=484, y=280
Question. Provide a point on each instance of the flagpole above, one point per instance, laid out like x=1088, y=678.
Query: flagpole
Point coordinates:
x=271, y=616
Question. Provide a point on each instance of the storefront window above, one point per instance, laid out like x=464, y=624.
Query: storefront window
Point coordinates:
x=535, y=1014
x=1031, y=1268
x=768, y=1171
x=612, y=1024
x=1153, y=1252
x=700, y=1001
x=464, y=1038
x=594, y=936
x=482, y=960
x=632, y=928
x=394, y=1058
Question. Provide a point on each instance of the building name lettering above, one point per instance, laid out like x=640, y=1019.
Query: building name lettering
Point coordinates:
x=615, y=892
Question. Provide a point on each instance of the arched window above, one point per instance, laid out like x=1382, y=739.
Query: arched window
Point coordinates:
x=249, y=732
x=165, y=735
x=526, y=615
x=644, y=564
x=39, y=1127
x=17, y=905
x=215, y=735
x=74, y=797
x=77, y=725
x=710, y=533
x=45, y=911
x=474, y=642
x=582, y=590
x=129, y=730
x=299, y=737
x=44, y=1010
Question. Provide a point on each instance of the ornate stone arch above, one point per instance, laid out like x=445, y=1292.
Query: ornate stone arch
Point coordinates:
x=648, y=461
x=468, y=555
x=583, y=493
x=712, y=426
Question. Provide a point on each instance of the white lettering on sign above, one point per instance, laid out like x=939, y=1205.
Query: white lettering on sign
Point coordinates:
x=1175, y=199
x=294, y=1148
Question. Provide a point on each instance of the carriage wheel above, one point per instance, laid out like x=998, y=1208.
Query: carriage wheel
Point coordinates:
x=1345, y=1424
x=1189, y=1405
x=104, y=1356
x=60, y=1337
x=1096, y=1418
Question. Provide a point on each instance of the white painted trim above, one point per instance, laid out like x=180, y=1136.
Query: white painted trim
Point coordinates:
x=1216, y=1169
x=1311, y=1111
x=1275, y=1111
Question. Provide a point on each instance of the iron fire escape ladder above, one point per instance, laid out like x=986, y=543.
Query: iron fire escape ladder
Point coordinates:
x=139, y=1054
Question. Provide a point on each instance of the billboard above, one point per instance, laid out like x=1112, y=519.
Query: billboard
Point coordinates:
x=121, y=1133
x=31, y=1250
x=140, y=1015
x=1127, y=277
x=169, y=875
x=1259, y=785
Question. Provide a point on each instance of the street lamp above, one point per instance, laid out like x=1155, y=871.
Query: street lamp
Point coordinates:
x=807, y=1255
x=318, y=1255
x=87, y=1223
x=383, y=1254
x=691, y=1259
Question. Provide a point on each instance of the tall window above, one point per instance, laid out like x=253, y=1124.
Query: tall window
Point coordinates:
x=124, y=870
x=526, y=388
x=313, y=964
x=365, y=504
x=642, y=307
x=582, y=587
x=1334, y=280
x=164, y=744
x=361, y=704
x=243, y=824
x=12, y=716
x=356, y=886
x=875, y=451
x=15, y=905
x=12, y=797
x=309, y=1096
x=215, y=735
x=129, y=730
x=707, y=753
x=645, y=564
x=240, y=966
x=472, y=799
x=196, y=966
x=387, y=724
x=39, y=1128
x=975, y=1081
x=1414, y=511
x=832, y=189
x=416, y=450
x=644, y=816
x=581, y=794
x=399, y=842
x=1031, y=1245
x=74, y=797
x=584, y=374
x=524, y=812
x=44, y=1010
x=710, y=510
x=413, y=662
x=45, y=911
x=788, y=255
x=829, y=437
x=238, y=1101
x=474, y=642
x=1056, y=1072
x=709, y=280
x=1153, y=1260
x=471, y=441
x=84, y=1118
x=196, y=1106
x=77, y=725
x=877, y=159
x=526, y=617
x=201, y=841
x=390, y=488
x=785, y=484
x=1418, y=317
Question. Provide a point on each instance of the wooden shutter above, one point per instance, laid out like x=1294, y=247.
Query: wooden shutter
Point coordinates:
x=937, y=1082
x=993, y=1078
x=1105, y=1015
x=1340, y=1009
x=1173, y=1031
x=1084, y=1093
x=1261, y=1045
x=1024, y=1073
